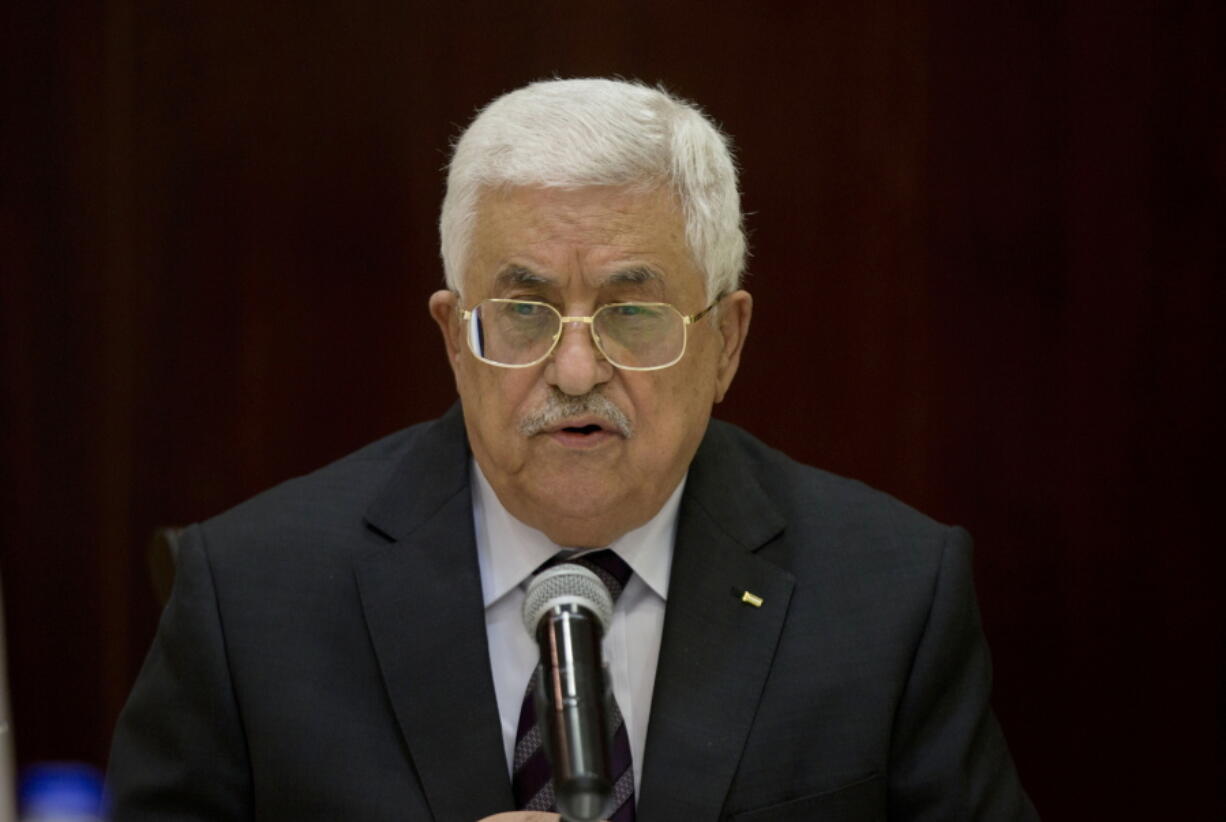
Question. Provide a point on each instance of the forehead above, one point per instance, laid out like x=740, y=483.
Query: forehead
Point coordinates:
x=600, y=236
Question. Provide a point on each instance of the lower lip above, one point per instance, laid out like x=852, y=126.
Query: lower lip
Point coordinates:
x=581, y=442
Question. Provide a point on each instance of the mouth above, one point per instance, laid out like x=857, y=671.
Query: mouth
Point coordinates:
x=577, y=422
x=582, y=434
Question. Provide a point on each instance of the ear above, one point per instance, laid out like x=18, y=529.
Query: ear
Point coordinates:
x=734, y=313
x=444, y=308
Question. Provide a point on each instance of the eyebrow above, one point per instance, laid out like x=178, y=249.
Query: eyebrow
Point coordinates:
x=518, y=275
x=635, y=275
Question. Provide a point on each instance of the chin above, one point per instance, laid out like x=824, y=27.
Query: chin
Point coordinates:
x=578, y=497
x=580, y=514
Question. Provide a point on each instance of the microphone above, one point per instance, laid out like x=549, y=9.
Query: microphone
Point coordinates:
x=567, y=609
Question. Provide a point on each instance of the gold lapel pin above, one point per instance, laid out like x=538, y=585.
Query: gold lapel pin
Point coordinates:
x=752, y=599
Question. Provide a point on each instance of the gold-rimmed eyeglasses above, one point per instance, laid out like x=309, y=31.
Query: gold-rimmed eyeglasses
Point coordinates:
x=633, y=336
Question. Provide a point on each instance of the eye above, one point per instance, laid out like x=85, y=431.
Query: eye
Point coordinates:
x=634, y=313
x=524, y=309
x=628, y=310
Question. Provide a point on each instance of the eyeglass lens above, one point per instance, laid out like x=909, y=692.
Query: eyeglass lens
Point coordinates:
x=631, y=335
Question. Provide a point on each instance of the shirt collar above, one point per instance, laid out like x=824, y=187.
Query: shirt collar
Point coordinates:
x=521, y=549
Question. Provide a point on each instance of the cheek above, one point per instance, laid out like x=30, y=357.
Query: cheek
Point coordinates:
x=671, y=415
x=494, y=396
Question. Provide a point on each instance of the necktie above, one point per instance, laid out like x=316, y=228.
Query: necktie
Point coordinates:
x=531, y=779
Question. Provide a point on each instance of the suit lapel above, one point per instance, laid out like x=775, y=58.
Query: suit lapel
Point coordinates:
x=421, y=595
x=716, y=650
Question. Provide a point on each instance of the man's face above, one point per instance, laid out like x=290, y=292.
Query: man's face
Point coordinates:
x=578, y=250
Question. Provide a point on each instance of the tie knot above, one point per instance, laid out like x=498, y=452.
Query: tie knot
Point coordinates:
x=605, y=563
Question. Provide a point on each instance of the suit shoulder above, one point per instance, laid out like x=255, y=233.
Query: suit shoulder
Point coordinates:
x=815, y=498
x=331, y=498
x=834, y=528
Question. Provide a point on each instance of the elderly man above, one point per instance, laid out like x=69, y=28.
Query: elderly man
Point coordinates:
x=786, y=644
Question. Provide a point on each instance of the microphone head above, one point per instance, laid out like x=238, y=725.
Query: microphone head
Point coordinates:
x=566, y=584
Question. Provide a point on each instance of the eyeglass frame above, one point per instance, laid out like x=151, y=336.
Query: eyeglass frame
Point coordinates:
x=687, y=320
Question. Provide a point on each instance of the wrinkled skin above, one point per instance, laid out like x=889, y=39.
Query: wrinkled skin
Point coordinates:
x=579, y=249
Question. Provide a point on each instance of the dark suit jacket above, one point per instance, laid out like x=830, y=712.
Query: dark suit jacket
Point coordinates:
x=323, y=656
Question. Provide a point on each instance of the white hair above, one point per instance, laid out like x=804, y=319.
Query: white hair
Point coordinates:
x=595, y=132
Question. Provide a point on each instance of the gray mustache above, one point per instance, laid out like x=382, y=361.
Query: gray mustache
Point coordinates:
x=559, y=407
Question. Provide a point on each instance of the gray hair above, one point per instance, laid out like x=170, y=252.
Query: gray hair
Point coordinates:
x=594, y=132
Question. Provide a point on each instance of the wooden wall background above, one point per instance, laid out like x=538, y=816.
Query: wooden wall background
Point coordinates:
x=988, y=263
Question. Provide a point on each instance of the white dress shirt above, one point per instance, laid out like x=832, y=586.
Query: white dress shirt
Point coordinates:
x=508, y=551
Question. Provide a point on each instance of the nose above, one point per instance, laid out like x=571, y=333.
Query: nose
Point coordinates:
x=576, y=365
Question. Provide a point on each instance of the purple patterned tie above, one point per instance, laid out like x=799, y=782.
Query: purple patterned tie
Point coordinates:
x=531, y=780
